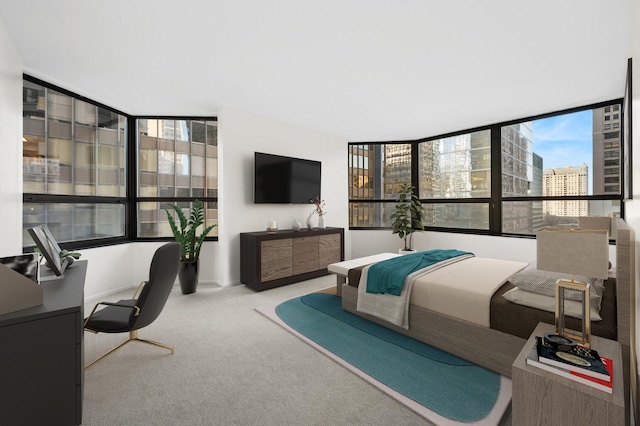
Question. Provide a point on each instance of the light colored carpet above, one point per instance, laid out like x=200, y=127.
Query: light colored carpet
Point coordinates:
x=231, y=366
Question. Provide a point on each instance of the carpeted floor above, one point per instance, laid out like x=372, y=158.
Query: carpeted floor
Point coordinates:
x=231, y=366
x=441, y=387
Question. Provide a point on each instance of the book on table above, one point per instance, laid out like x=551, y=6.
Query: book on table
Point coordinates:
x=579, y=359
x=603, y=385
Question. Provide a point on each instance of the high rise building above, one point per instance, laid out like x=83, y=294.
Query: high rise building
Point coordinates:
x=518, y=177
x=562, y=181
x=606, y=150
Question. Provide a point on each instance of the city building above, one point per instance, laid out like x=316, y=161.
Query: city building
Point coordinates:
x=606, y=150
x=566, y=181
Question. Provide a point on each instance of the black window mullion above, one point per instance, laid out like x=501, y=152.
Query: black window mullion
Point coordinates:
x=131, y=211
x=495, y=205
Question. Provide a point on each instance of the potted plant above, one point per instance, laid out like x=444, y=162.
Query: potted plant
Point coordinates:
x=319, y=210
x=190, y=243
x=408, y=216
x=71, y=256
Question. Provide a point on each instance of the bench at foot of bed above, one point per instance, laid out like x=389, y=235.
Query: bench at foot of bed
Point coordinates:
x=341, y=269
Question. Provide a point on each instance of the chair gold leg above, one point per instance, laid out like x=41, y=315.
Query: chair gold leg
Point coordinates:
x=151, y=342
x=133, y=336
x=108, y=353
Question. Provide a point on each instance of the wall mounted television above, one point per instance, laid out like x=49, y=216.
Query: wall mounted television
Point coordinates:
x=285, y=180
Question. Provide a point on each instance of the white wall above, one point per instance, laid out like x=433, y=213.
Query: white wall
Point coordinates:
x=240, y=134
x=11, y=145
x=364, y=243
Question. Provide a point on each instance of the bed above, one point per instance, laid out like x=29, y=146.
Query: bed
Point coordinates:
x=497, y=346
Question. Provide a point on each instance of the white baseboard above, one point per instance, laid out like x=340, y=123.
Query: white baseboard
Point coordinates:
x=101, y=296
x=104, y=295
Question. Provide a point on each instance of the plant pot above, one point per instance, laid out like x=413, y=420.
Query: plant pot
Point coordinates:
x=403, y=251
x=188, y=275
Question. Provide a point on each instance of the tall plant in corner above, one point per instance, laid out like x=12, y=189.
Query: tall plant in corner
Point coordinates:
x=190, y=242
x=408, y=216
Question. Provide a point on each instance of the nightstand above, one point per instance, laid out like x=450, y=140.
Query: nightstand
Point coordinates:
x=541, y=397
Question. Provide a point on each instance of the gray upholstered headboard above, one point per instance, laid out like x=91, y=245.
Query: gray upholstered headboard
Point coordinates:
x=626, y=300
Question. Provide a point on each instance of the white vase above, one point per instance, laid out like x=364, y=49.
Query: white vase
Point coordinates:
x=321, y=223
x=310, y=221
x=403, y=251
x=296, y=225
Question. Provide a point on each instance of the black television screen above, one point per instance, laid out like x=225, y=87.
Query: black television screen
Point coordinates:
x=287, y=180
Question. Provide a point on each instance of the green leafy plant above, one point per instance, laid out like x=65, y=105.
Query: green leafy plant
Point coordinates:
x=64, y=253
x=71, y=256
x=190, y=244
x=408, y=216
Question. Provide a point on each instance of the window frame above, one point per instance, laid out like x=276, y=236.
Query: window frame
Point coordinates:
x=81, y=199
x=496, y=198
x=133, y=184
x=130, y=199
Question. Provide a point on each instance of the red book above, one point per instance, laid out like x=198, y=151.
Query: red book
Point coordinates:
x=606, y=386
x=603, y=385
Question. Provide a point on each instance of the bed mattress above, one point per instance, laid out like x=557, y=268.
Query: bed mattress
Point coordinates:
x=521, y=320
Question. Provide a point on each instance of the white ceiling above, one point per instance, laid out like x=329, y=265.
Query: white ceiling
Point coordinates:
x=362, y=69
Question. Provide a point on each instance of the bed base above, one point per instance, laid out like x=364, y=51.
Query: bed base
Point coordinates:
x=486, y=347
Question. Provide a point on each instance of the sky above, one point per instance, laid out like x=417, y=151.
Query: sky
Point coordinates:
x=565, y=140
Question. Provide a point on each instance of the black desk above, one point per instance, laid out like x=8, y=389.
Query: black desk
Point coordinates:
x=42, y=356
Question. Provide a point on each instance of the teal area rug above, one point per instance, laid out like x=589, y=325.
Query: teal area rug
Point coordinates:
x=443, y=388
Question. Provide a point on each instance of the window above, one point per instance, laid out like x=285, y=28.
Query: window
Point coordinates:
x=82, y=180
x=549, y=170
x=571, y=161
x=376, y=172
x=456, y=168
x=177, y=164
x=74, y=166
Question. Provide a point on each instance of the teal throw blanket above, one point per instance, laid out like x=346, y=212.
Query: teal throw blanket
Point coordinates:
x=388, y=276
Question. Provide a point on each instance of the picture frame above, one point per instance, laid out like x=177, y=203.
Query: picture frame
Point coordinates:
x=49, y=248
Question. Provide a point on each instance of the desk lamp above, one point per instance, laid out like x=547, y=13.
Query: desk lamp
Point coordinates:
x=576, y=252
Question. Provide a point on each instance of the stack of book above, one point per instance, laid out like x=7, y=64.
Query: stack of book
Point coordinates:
x=581, y=364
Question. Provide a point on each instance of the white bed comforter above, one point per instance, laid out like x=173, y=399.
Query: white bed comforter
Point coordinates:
x=460, y=287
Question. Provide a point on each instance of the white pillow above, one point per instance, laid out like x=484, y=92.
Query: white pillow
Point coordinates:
x=544, y=283
x=572, y=308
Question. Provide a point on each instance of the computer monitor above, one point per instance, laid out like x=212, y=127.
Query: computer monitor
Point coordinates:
x=49, y=248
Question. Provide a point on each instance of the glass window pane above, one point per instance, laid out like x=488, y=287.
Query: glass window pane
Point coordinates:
x=198, y=131
x=85, y=113
x=528, y=217
x=182, y=130
x=108, y=119
x=60, y=161
x=182, y=164
x=458, y=215
x=166, y=160
x=568, y=154
x=455, y=167
x=370, y=215
x=166, y=129
x=179, y=159
x=73, y=222
x=212, y=133
x=153, y=220
x=377, y=171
